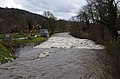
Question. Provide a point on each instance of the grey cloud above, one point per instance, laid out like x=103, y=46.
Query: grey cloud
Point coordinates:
x=60, y=8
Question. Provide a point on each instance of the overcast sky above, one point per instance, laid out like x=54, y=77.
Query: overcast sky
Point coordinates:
x=60, y=8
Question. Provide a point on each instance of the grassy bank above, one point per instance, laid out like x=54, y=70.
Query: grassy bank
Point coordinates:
x=7, y=48
x=32, y=40
x=5, y=54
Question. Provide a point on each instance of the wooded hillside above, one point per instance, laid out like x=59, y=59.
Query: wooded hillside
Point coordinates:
x=17, y=20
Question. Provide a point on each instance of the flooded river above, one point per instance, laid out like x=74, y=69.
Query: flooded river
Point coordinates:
x=54, y=62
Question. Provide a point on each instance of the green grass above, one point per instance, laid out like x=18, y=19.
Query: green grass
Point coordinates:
x=5, y=55
x=18, y=35
x=37, y=39
x=32, y=40
x=14, y=35
x=21, y=36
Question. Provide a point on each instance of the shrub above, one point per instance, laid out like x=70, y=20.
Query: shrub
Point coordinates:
x=113, y=51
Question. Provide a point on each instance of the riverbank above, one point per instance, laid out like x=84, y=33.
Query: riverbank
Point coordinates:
x=8, y=49
x=111, y=57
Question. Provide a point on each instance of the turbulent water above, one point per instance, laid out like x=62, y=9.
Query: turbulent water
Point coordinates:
x=61, y=57
x=64, y=40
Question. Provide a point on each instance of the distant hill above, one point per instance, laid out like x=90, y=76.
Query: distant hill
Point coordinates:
x=16, y=19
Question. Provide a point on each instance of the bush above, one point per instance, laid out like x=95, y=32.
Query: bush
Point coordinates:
x=113, y=51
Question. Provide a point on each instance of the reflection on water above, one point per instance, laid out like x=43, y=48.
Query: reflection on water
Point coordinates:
x=24, y=49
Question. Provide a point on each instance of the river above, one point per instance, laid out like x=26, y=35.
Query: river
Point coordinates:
x=53, y=60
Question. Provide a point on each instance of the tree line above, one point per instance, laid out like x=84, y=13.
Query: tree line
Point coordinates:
x=99, y=20
x=16, y=20
x=53, y=24
x=104, y=13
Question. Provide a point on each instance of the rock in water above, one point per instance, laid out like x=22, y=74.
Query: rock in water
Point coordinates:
x=44, y=54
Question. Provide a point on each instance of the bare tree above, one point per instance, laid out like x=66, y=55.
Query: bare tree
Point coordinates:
x=48, y=14
x=83, y=15
x=105, y=12
x=50, y=23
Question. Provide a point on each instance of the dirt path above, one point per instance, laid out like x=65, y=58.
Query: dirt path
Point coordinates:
x=53, y=63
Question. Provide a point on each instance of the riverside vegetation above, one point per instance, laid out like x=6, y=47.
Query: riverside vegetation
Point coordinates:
x=8, y=48
x=99, y=20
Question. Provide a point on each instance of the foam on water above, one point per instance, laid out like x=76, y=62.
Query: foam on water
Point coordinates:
x=67, y=41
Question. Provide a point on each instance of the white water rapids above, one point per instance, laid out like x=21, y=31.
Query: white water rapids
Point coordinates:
x=67, y=41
